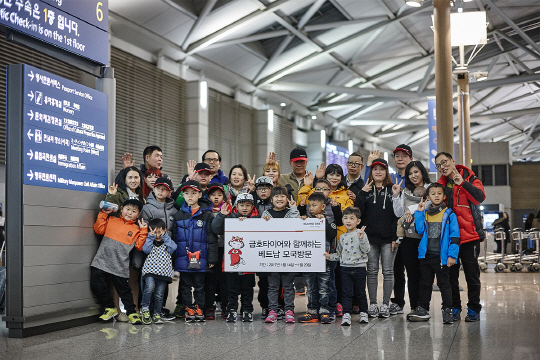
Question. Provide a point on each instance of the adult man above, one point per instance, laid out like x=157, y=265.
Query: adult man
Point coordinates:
x=212, y=158
x=464, y=192
x=199, y=172
x=298, y=161
x=355, y=165
x=152, y=157
x=402, y=157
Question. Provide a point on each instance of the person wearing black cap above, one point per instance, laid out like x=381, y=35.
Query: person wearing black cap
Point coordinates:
x=200, y=173
x=402, y=157
x=375, y=202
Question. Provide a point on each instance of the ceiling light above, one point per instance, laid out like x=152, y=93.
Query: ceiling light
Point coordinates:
x=414, y=3
x=283, y=104
x=313, y=117
x=481, y=75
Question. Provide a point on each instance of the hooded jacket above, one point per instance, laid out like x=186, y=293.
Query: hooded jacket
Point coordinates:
x=154, y=209
x=260, y=204
x=378, y=214
x=449, y=235
x=218, y=225
x=464, y=200
x=193, y=232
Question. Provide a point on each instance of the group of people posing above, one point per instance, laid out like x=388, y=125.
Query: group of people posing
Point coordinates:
x=401, y=223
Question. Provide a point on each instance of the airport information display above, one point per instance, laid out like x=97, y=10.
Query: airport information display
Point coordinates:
x=337, y=155
x=86, y=35
x=65, y=133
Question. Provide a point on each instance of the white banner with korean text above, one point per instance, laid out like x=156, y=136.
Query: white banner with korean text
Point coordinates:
x=276, y=245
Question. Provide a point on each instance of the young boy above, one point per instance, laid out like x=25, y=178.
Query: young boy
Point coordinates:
x=438, y=251
x=318, y=283
x=283, y=207
x=157, y=269
x=239, y=284
x=159, y=205
x=111, y=261
x=196, y=250
x=202, y=175
x=261, y=196
x=352, y=249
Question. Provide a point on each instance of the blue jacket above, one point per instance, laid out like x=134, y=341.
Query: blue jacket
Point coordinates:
x=449, y=230
x=194, y=232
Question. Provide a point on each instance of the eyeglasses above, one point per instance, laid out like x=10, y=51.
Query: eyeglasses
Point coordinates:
x=207, y=160
x=321, y=189
x=442, y=163
x=354, y=164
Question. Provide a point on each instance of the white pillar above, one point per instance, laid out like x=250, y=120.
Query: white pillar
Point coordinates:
x=265, y=135
x=316, y=149
x=197, y=119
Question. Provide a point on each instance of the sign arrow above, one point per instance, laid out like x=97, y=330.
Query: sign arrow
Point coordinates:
x=30, y=175
x=31, y=95
x=29, y=134
x=31, y=114
x=31, y=75
x=31, y=154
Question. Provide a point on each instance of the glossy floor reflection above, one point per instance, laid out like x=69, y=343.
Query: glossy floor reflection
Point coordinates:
x=509, y=329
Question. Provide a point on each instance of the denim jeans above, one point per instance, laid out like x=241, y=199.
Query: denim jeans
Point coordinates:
x=156, y=287
x=354, y=286
x=386, y=255
x=286, y=280
x=318, y=291
x=333, y=298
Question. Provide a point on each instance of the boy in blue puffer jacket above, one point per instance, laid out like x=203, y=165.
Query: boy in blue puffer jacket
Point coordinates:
x=196, y=251
x=438, y=251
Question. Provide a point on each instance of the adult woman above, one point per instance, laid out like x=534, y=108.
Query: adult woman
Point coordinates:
x=272, y=171
x=131, y=189
x=150, y=177
x=502, y=223
x=375, y=203
x=238, y=178
x=405, y=203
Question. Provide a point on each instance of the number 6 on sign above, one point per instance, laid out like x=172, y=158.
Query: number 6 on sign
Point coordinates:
x=99, y=12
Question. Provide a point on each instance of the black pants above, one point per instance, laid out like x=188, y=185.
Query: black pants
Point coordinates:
x=353, y=281
x=99, y=283
x=409, y=254
x=262, y=296
x=468, y=257
x=210, y=286
x=240, y=285
x=189, y=280
x=399, y=279
x=431, y=267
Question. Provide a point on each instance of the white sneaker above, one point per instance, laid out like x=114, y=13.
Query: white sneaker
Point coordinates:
x=122, y=317
x=373, y=311
x=346, y=319
x=364, y=318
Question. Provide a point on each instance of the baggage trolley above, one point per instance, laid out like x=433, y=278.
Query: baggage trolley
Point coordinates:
x=534, y=259
x=517, y=265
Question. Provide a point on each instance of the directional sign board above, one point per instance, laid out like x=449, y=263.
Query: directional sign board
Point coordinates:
x=57, y=27
x=65, y=133
x=93, y=12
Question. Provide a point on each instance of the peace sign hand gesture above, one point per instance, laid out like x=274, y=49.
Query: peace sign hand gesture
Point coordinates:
x=333, y=201
x=251, y=183
x=303, y=200
x=396, y=188
x=271, y=158
x=361, y=232
x=456, y=176
x=113, y=189
x=153, y=231
x=422, y=205
x=142, y=223
x=367, y=187
x=292, y=202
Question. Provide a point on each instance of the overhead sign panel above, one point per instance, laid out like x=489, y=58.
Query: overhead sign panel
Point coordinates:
x=56, y=27
x=94, y=12
x=65, y=133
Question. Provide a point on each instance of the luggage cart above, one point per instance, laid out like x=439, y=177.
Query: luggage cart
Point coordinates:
x=517, y=260
x=534, y=259
x=494, y=258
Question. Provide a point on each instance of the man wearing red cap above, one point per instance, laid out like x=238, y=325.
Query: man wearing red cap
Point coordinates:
x=295, y=179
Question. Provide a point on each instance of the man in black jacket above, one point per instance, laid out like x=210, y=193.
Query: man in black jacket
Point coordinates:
x=355, y=166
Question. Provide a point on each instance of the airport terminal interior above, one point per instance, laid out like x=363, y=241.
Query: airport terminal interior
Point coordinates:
x=235, y=89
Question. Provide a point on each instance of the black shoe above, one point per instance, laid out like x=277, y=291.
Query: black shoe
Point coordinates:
x=264, y=313
x=167, y=316
x=231, y=318
x=419, y=314
x=247, y=317
x=280, y=314
x=447, y=316
x=356, y=309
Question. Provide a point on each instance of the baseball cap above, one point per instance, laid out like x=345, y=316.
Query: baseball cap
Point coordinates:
x=216, y=185
x=165, y=182
x=298, y=154
x=405, y=148
x=379, y=162
x=191, y=184
x=202, y=167
x=245, y=197
x=264, y=180
x=133, y=201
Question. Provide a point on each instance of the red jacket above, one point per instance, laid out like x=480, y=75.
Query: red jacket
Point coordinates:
x=464, y=200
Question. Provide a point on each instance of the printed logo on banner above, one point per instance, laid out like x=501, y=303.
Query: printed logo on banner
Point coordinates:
x=236, y=243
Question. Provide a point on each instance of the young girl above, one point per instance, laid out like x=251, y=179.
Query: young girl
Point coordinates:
x=150, y=178
x=238, y=178
x=283, y=207
x=375, y=202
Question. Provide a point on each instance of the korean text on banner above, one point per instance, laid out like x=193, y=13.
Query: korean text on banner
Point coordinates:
x=432, y=124
x=276, y=245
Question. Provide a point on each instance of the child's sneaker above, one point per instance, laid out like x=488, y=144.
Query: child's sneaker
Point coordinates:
x=122, y=317
x=456, y=314
x=108, y=315
x=247, y=317
x=264, y=313
x=308, y=318
x=373, y=310
x=289, y=317
x=231, y=318
x=364, y=318
x=134, y=319
x=157, y=319
x=271, y=318
x=210, y=314
x=395, y=309
x=447, y=316
x=280, y=314
x=472, y=316
x=325, y=319
x=146, y=319
x=346, y=320
x=179, y=311
x=384, y=312
x=419, y=314
x=339, y=310
x=332, y=315
x=190, y=314
x=198, y=314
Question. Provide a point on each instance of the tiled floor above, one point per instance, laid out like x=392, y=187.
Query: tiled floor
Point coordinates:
x=509, y=329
